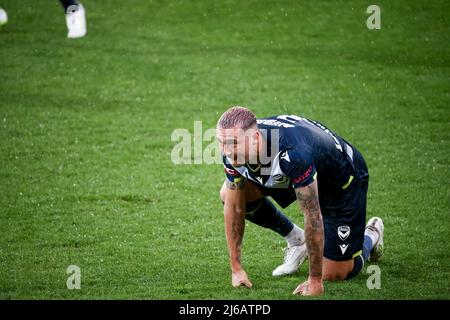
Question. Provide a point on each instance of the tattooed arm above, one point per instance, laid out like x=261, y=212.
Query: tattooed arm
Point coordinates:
x=309, y=202
x=234, y=215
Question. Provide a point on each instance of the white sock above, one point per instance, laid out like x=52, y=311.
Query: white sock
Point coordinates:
x=296, y=237
x=373, y=235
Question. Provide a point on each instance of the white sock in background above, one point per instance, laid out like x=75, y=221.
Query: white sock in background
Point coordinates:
x=296, y=237
x=3, y=17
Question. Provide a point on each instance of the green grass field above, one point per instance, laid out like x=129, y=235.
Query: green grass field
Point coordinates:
x=85, y=128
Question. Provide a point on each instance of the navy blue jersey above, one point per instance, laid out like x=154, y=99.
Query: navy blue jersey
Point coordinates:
x=299, y=151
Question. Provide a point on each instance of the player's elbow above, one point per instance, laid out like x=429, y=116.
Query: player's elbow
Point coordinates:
x=239, y=211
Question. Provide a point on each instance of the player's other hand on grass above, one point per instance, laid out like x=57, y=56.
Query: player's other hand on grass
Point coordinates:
x=240, y=278
x=311, y=287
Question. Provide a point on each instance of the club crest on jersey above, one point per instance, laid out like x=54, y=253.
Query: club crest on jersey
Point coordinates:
x=343, y=232
x=280, y=179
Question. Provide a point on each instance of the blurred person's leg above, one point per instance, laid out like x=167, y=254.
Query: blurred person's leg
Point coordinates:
x=75, y=18
x=67, y=3
x=3, y=17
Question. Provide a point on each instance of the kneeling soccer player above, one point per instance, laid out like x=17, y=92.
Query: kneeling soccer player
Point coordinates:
x=289, y=157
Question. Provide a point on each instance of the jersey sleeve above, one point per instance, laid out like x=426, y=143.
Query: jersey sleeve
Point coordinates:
x=232, y=174
x=298, y=166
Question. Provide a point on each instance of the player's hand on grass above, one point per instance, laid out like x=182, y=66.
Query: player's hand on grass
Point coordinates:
x=311, y=287
x=240, y=278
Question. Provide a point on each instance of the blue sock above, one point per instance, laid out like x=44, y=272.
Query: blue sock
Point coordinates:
x=264, y=213
x=367, y=247
x=359, y=260
x=357, y=266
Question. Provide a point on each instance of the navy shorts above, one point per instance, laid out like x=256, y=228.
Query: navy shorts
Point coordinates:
x=343, y=211
x=344, y=224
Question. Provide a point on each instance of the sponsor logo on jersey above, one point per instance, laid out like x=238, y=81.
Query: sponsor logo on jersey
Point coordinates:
x=343, y=248
x=260, y=179
x=285, y=156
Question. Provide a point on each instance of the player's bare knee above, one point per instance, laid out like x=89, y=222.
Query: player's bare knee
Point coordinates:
x=252, y=192
x=336, y=270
